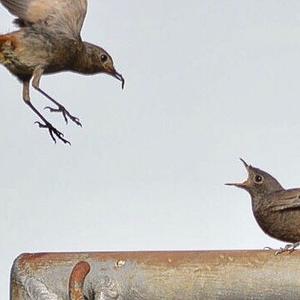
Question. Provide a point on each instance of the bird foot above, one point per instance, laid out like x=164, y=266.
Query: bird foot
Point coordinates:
x=268, y=248
x=65, y=114
x=288, y=248
x=53, y=132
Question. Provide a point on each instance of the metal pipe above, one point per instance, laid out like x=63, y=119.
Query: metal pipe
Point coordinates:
x=247, y=274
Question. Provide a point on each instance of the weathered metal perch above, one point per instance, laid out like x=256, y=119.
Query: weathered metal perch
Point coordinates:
x=156, y=275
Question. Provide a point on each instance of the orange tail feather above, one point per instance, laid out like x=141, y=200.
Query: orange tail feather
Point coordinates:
x=8, y=40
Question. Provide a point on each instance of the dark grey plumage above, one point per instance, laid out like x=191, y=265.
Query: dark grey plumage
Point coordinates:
x=276, y=210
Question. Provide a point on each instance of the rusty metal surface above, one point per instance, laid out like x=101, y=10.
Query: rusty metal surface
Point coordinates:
x=156, y=275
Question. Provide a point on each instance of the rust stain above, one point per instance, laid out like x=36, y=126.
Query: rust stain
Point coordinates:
x=76, y=280
x=159, y=258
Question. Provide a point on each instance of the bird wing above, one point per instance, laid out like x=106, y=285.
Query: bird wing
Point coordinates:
x=62, y=16
x=288, y=199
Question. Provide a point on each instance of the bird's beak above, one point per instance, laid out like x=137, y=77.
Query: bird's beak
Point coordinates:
x=245, y=164
x=119, y=77
x=242, y=185
x=111, y=71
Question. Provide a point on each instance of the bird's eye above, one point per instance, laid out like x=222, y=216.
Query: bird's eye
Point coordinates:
x=258, y=179
x=103, y=58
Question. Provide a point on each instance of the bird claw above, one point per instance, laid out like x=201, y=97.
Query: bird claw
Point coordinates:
x=53, y=132
x=288, y=248
x=65, y=114
x=51, y=109
x=268, y=248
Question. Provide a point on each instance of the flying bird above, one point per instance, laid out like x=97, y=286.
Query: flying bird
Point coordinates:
x=49, y=41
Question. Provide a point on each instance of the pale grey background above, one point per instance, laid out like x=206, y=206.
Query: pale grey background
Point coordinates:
x=207, y=82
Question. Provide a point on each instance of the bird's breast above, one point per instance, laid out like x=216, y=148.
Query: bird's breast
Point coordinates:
x=282, y=225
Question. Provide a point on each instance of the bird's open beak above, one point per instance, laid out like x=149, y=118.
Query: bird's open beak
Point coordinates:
x=245, y=164
x=242, y=185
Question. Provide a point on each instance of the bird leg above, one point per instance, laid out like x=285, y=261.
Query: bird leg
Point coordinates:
x=60, y=108
x=288, y=248
x=52, y=130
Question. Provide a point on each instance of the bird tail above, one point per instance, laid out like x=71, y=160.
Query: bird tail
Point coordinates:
x=7, y=41
x=1, y=54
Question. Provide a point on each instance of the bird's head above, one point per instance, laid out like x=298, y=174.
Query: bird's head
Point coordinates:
x=101, y=62
x=258, y=183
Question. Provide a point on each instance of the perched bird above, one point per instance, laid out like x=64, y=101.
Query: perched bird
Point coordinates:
x=276, y=210
x=48, y=41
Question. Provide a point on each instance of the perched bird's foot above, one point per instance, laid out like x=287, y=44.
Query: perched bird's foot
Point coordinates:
x=65, y=114
x=288, y=248
x=53, y=132
x=268, y=248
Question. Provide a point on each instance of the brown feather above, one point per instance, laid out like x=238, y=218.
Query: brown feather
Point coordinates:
x=67, y=16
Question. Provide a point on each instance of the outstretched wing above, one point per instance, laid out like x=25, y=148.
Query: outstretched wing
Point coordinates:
x=62, y=16
x=289, y=199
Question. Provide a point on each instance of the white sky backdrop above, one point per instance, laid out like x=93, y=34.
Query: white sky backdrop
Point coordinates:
x=207, y=82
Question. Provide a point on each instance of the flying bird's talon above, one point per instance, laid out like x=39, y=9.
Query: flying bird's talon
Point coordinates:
x=51, y=109
x=65, y=114
x=74, y=119
x=53, y=132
